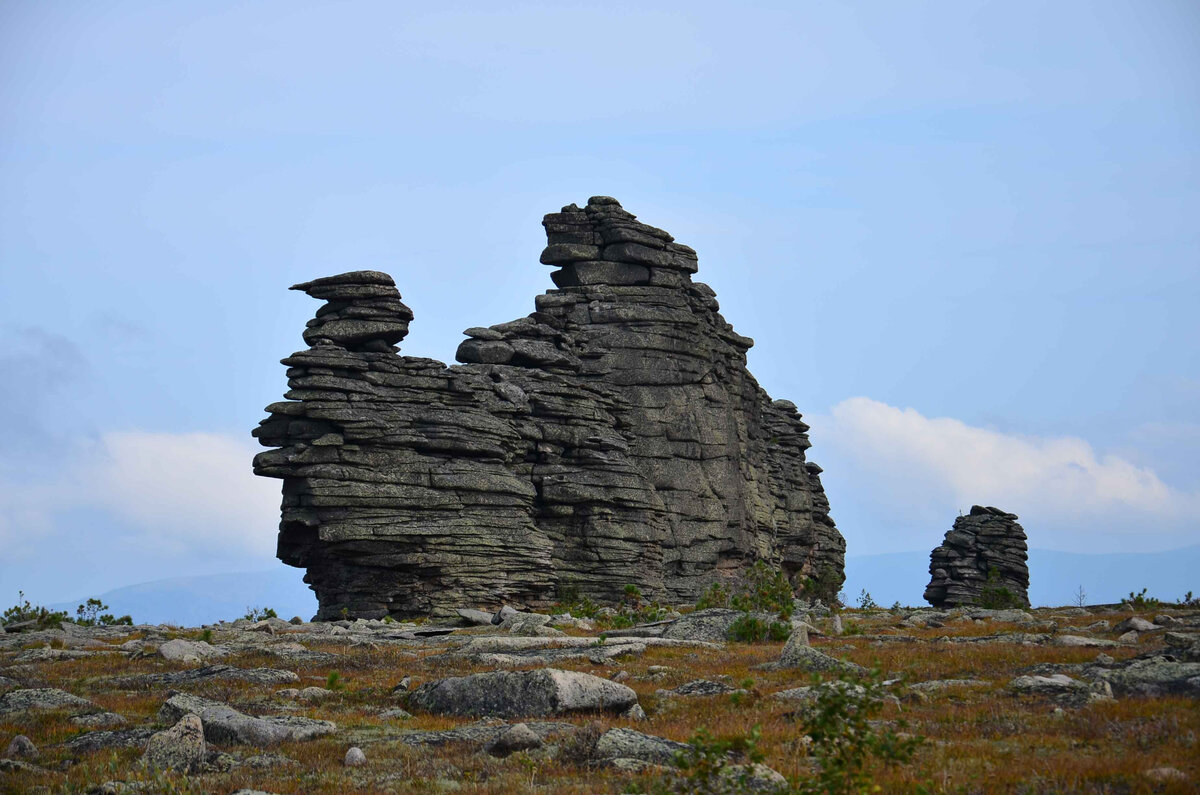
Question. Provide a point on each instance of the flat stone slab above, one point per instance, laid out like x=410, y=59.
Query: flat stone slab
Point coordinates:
x=261, y=676
x=44, y=698
x=512, y=694
x=225, y=725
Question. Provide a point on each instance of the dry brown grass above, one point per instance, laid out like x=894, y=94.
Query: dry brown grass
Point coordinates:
x=976, y=740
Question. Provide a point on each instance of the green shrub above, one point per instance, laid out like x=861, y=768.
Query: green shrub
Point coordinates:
x=759, y=588
x=1140, y=601
x=89, y=615
x=259, y=613
x=995, y=596
x=749, y=629
x=865, y=602
x=846, y=741
x=24, y=611
x=334, y=681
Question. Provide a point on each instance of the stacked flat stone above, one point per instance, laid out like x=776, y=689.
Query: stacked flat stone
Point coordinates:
x=612, y=437
x=985, y=549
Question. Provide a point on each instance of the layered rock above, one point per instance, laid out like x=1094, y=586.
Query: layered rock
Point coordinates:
x=613, y=436
x=982, y=561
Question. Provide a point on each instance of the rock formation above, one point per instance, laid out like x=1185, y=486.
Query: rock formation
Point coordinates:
x=612, y=437
x=981, y=562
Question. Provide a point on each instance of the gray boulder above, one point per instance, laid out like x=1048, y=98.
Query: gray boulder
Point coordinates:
x=225, y=725
x=1156, y=676
x=518, y=737
x=44, y=699
x=180, y=748
x=630, y=744
x=1135, y=624
x=189, y=650
x=21, y=747
x=511, y=694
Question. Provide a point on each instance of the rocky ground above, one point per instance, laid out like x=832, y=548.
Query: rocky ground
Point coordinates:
x=1049, y=700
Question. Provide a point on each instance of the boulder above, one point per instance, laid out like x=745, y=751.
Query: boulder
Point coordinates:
x=511, y=694
x=44, y=699
x=225, y=725
x=189, y=650
x=630, y=744
x=517, y=737
x=180, y=748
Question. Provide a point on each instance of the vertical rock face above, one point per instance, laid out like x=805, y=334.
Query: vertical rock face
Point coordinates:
x=982, y=556
x=613, y=436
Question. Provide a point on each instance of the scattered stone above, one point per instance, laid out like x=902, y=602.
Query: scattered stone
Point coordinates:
x=945, y=684
x=44, y=698
x=355, y=757
x=1134, y=624
x=755, y=777
x=180, y=748
x=806, y=658
x=984, y=554
x=711, y=625
x=701, y=687
x=1061, y=688
x=1080, y=640
x=1128, y=637
x=224, y=724
x=193, y=651
x=99, y=720
x=559, y=410
x=21, y=747
x=630, y=744
x=1155, y=676
x=478, y=618
x=506, y=694
x=517, y=737
x=259, y=676
x=102, y=740
x=1165, y=775
x=634, y=713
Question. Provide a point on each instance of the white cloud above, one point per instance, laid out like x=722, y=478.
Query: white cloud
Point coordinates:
x=188, y=490
x=171, y=494
x=910, y=467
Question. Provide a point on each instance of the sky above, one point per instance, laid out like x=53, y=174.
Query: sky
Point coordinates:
x=963, y=236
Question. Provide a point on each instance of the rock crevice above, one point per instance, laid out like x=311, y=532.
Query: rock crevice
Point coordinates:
x=614, y=436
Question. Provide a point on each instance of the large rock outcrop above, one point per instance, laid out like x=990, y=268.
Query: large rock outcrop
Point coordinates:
x=613, y=436
x=982, y=561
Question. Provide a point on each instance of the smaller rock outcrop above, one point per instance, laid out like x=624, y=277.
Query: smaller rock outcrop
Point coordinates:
x=982, y=561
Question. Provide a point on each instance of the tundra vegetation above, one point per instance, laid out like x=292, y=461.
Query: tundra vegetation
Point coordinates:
x=1072, y=699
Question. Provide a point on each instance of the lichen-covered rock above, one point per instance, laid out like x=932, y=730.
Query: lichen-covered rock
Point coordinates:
x=181, y=747
x=514, y=694
x=982, y=561
x=224, y=724
x=612, y=437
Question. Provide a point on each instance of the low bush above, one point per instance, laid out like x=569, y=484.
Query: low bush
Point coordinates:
x=42, y=617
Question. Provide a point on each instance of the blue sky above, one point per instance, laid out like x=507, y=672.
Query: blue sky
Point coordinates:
x=963, y=235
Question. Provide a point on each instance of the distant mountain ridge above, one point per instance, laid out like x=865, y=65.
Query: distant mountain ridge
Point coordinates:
x=892, y=577
x=206, y=599
x=1054, y=577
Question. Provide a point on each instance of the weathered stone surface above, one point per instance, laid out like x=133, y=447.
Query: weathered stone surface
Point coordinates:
x=506, y=694
x=630, y=744
x=517, y=737
x=181, y=747
x=224, y=724
x=21, y=747
x=985, y=550
x=613, y=436
x=189, y=650
x=44, y=698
